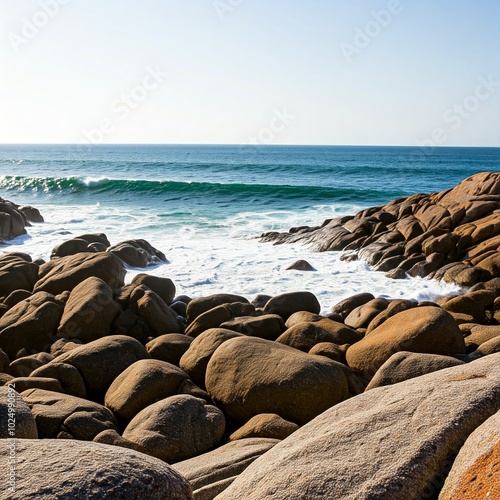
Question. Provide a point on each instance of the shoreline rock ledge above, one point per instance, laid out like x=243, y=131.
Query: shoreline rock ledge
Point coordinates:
x=453, y=235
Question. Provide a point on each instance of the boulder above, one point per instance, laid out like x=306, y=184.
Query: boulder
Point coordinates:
x=97, y=242
x=169, y=347
x=393, y=442
x=67, y=272
x=479, y=334
x=304, y=336
x=265, y=425
x=67, y=417
x=218, y=315
x=16, y=419
x=25, y=366
x=75, y=470
x=163, y=287
x=346, y=306
x=300, y=265
x=364, y=314
x=12, y=220
x=211, y=473
x=101, y=361
x=475, y=473
x=195, y=360
x=247, y=376
x=111, y=437
x=31, y=213
x=25, y=383
x=30, y=325
x=201, y=305
x=490, y=347
x=424, y=329
x=145, y=382
x=160, y=318
x=137, y=253
x=406, y=365
x=267, y=326
x=89, y=311
x=330, y=350
x=288, y=303
x=177, y=428
x=16, y=273
x=69, y=378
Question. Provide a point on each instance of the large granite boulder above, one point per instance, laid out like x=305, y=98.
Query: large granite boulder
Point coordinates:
x=211, y=473
x=392, y=442
x=177, y=428
x=76, y=470
x=16, y=419
x=247, y=376
x=476, y=470
x=66, y=273
x=425, y=329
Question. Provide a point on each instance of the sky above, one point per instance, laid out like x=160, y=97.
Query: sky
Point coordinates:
x=390, y=72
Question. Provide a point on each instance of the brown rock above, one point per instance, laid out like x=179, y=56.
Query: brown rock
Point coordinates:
x=203, y=304
x=361, y=316
x=137, y=253
x=267, y=326
x=101, y=361
x=163, y=287
x=62, y=416
x=160, y=318
x=67, y=375
x=16, y=273
x=23, y=367
x=406, y=365
x=247, y=376
x=330, y=350
x=16, y=421
x=89, y=311
x=288, y=303
x=177, y=428
x=218, y=315
x=300, y=265
x=30, y=325
x=424, y=329
x=24, y=383
x=169, y=347
x=144, y=383
x=476, y=470
x=194, y=362
x=265, y=425
x=67, y=272
x=76, y=470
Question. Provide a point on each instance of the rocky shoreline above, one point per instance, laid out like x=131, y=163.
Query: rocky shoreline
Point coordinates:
x=132, y=391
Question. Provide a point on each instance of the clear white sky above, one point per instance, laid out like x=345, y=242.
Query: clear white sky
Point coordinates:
x=235, y=66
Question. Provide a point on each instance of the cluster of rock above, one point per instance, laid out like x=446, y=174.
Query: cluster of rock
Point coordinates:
x=14, y=219
x=133, y=391
x=452, y=235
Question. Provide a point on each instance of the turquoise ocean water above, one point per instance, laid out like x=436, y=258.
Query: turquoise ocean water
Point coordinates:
x=204, y=205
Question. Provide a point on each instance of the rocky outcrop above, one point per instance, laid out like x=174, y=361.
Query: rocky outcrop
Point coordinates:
x=452, y=235
x=14, y=219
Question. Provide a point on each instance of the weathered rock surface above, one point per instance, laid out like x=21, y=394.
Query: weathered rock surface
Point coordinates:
x=101, y=361
x=66, y=273
x=424, y=329
x=16, y=421
x=145, y=382
x=17, y=272
x=389, y=443
x=62, y=416
x=12, y=220
x=75, y=470
x=476, y=470
x=211, y=473
x=84, y=243
x=247, y=376
x=89, y=311
x=137, y=253
x=177, y=428
x=169, y=347
x=288, y=303
x=406, y=365
x=30, y=325
x=265, y=425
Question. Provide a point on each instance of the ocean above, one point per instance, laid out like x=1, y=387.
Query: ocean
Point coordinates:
x=205, y=206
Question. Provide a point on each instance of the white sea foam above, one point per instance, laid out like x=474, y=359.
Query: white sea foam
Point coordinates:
x=206, y=260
